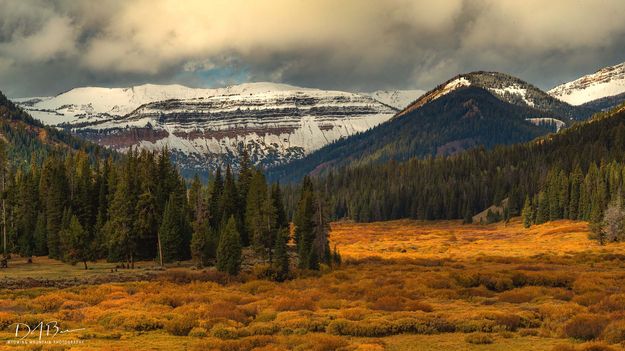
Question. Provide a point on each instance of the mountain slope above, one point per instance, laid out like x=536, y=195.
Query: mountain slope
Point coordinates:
x=26, y=137
x=606, y=82
x=205, y=128
x=454, y=121
x=572, y=174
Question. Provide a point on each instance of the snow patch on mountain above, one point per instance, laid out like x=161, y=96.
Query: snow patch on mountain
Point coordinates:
x=547, y=121
x=513, y=90
x=608, y=81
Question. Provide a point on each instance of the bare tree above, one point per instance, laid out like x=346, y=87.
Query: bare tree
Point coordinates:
x=613, y=224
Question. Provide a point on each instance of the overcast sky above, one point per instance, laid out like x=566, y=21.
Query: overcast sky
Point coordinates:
x=47, y=47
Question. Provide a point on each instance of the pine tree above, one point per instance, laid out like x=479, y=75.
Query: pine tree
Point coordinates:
x=203, y=245
x=280, y=264
x=282, y=220
x=229, y=206
x=304, y=225
x=527, y=213
x=542, y=212
x=215, y=200
x=39, y=236
x=261, y=216
x=77, y=244
x=311, y=229
x=170, y=232
x=468, y=219
x=229, y=250
x=121, y=238
x=55, y=191
x=146, y=226
x=575, y=184
x=195, y=195
x=245, y=178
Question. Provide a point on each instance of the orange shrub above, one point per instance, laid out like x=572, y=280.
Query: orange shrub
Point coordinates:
x=611, y=303
x=414, y=305
x=180, y=324
x=521, y=295
x=47, y=303
x=132, y=320
x=355, y=314
x=320, y=342
x=589, y=298
x=285, y=303
x=585, y=326
x=73, y=305
x=198, y=332
x=596, y=347
x=246, y=344
x=226, y=310
x=479, y=339
x=388, y=303
x=615, y=332
x=6, y=319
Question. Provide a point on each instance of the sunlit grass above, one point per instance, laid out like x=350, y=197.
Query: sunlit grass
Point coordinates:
x=405, y=285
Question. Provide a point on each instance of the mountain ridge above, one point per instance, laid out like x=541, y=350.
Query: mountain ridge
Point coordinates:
x=209, y=127
x=604, y=83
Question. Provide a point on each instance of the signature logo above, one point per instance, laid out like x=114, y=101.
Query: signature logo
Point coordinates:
x=42, y=332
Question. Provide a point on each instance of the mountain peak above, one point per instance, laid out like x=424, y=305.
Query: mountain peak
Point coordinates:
x=606, y=82
x=507, y=88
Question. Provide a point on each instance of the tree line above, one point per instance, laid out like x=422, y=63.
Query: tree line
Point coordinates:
x=573, y=174
x=77, y=208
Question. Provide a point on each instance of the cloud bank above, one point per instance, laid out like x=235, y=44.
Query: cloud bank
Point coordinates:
x=51, y=46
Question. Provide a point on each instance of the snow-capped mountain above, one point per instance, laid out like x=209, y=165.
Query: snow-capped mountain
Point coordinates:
x=204, y=128
x=396, y=98
x=92, y=104
x=511, y=90
x=606, y=82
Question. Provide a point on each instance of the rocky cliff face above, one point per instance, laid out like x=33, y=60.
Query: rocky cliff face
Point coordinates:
x=276, y=123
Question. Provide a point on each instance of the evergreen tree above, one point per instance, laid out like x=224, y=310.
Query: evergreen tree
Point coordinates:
x=261, y=216
x=245, y=178
x=77, y=244
x=229, y=206
x=280, y=264
x=282, y=220
x=39, y=236
x=229, y=250
x=542, y=214
x=146, y=226
x=311, y=229
x=195, y=195
x=121, y=238
x=527, y=213
x=217, y=189
x=203, y=245
x=171, y=231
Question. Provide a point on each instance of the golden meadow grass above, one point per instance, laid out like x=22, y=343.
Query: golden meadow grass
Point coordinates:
x=405, y=285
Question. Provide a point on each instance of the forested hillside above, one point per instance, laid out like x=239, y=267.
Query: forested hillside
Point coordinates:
x=26, y=138
x=573, y=174
x=461, y=119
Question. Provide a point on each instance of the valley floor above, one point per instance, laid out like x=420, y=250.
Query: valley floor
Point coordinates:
x=404, y=285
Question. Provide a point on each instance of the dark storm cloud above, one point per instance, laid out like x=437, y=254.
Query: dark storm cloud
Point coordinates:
x=50, y=46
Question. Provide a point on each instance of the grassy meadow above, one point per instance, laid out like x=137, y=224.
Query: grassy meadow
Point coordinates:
x=403, y=285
